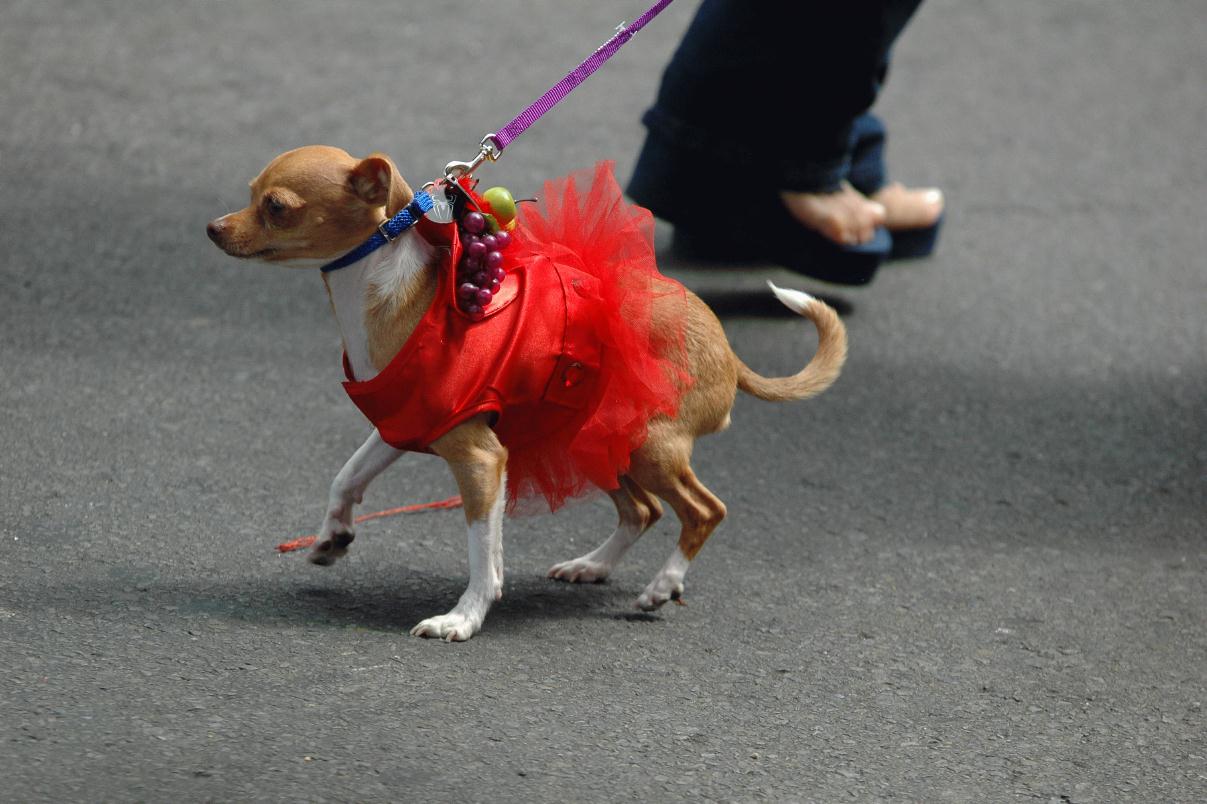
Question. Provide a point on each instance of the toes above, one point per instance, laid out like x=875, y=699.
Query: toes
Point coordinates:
x=659, y=593
x=877, y=214
x=839, y=228
x=844, y=216
x=651, y=602
x=449, y=627
x=458, y=635
x=427, y=628
x=579, y=571
x=864, y=220
x=908, y=208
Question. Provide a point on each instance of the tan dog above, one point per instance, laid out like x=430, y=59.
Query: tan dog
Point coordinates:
x=314, y=204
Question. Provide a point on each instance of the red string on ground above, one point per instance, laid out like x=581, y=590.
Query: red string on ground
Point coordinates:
x=305, y=541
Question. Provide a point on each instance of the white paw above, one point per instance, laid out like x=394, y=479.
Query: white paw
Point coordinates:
x=580, y=570
x=660, y=590
x=331, y=546
x=452, y=627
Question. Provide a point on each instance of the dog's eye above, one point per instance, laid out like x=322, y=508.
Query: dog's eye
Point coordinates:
x=280, y=209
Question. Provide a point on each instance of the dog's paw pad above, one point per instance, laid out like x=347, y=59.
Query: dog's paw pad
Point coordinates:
x=451, y=627
x=580, y=570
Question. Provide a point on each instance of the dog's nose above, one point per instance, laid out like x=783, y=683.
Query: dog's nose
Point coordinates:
x=214, y=229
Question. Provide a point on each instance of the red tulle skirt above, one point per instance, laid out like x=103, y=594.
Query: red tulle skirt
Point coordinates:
x=583, y=223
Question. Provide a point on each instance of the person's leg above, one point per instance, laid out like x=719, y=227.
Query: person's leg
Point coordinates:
x=759, y=100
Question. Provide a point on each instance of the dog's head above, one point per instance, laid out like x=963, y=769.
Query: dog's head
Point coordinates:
x=311, y=205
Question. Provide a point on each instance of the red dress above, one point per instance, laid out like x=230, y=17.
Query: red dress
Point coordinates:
x=566, y=361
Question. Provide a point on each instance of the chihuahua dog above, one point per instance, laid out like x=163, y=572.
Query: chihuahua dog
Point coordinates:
x=314, y=204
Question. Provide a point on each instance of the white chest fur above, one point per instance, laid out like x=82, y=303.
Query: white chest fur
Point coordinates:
x=381, y=276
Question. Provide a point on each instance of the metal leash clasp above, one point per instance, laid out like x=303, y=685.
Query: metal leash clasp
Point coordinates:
x=459, y=170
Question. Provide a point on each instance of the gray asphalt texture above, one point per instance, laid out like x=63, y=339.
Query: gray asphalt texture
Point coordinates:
x=976, y=569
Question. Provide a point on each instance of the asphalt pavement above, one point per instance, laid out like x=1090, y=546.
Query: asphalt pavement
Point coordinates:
x=975, y=570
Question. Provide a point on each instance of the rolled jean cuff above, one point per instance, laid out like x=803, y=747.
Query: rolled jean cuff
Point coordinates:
x=685, y=146
x=868, y=169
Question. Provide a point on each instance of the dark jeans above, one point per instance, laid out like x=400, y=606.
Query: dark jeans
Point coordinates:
x=771, y=93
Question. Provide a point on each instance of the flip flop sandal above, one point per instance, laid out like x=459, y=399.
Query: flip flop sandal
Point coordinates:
x=912, y=244
x=776, y=237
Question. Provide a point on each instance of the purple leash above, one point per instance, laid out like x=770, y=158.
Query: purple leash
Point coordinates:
x=493, y=144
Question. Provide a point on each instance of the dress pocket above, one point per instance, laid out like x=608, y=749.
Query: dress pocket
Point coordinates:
x=575, y=379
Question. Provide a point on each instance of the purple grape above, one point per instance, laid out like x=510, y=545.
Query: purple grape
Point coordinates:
x=472, y=308
x=494, y=259
x=494, y=286
x=467, y=290
x=498, y=273
x=502, y=240
x=474, y=222
x=476, y=249
x=476, y=313
x=484, y=296
x=481, y=279
x=491, y=242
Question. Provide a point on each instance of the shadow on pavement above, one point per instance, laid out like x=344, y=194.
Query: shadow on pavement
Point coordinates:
x=377, y=603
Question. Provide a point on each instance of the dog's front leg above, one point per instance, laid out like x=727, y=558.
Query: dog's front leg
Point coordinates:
x=478, y=462
x=347, y=490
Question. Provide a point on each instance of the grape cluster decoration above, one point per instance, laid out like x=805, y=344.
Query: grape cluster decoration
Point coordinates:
x=484, y=237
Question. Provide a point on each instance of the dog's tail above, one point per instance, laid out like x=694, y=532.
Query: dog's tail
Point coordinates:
x=821, y=371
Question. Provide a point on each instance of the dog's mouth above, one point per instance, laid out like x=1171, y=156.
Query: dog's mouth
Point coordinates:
x=236, y=243
x=262, y=254
x=241, y=249
x=288, y=257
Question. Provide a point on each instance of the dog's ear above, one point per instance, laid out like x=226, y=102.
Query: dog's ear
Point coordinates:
x=376, y=181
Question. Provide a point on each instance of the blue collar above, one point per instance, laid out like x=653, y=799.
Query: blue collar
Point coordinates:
x=387, y=232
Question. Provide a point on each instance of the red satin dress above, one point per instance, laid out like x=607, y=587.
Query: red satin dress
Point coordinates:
x=566, y=361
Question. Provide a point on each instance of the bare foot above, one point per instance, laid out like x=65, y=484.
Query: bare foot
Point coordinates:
x=906, y=208
x=846, y=216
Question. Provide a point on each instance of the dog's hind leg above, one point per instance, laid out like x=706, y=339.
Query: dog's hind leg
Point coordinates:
x=665, y=470
x=637, y=510
x=348, y=488
x=478, y=462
